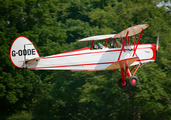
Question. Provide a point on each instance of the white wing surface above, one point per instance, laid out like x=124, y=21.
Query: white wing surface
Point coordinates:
x=98, y=37
x=132, y=31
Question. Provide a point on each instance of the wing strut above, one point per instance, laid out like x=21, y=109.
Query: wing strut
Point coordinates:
x=123, y=44
x=136, y=69
x=134, y=40
x=105, y=42
x=121, y=40
x=92, y=45
x=128, y=41
x=137, y=43
x=115, y=42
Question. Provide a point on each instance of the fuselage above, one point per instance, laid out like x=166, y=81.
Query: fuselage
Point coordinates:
x=98, y=59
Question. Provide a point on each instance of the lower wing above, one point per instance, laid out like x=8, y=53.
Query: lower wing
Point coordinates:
x=122, y=63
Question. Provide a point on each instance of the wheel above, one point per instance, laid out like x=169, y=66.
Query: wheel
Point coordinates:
x=133, y=81
x=121, y=85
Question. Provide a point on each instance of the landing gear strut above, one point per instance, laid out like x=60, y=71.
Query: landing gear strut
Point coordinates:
x=132, y=80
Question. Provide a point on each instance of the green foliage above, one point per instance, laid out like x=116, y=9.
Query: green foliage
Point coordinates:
x=54, y=26
x=21, y=116
x=77, y=29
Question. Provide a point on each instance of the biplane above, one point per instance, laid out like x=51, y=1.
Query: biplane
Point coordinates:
x=122, y=55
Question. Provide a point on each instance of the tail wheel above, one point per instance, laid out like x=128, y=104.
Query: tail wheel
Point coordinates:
x=123, y=85
x=133, y=81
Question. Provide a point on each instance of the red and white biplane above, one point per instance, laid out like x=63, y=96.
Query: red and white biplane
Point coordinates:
x=23, y=54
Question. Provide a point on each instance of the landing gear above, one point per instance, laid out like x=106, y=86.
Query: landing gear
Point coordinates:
x=127, y=78
x=123, y=85
x=131, y=81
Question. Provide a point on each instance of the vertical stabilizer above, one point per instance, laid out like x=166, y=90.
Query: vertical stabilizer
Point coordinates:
x=22, y=49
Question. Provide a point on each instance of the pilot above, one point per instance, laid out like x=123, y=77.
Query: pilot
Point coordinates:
x=95, y=46
x=112, y=45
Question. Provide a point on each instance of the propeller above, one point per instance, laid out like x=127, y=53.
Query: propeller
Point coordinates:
x=157, y=45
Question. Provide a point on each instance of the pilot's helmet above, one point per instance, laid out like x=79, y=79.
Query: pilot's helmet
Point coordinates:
x=95, y=46
x=112, y=44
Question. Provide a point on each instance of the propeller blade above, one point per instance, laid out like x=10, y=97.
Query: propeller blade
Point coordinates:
x=157, y=45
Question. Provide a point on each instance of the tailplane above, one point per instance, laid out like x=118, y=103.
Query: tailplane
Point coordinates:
x=22, y=50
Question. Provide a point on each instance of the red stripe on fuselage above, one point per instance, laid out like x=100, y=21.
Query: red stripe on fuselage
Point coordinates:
x=87, y=52
x=78, y=54
x=153, y=47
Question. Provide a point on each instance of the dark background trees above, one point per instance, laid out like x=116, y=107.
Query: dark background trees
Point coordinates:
x=54, y=26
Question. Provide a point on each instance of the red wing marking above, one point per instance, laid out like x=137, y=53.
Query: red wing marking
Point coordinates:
x=122, y=63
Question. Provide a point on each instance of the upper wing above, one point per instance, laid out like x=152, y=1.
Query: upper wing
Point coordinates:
x=132, y=31
x=98, y=37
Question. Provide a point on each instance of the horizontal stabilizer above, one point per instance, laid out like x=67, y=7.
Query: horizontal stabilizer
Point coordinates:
x=38, y=58
x=122, y=63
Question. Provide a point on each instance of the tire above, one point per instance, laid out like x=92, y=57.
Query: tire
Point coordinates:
x=121, y=85
x=133, y=81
